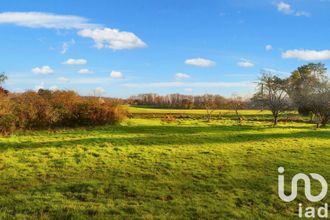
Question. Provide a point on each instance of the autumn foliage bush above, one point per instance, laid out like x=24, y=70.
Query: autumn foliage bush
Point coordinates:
x=49, y=109
x=93, y=111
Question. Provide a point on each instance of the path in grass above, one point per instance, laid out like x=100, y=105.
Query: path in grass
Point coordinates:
x=144, y=168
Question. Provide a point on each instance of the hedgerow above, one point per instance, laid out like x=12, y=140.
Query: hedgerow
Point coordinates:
x=49, y=109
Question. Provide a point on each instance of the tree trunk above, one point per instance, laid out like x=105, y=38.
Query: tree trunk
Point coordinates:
x=208, y=117
x=275, y=120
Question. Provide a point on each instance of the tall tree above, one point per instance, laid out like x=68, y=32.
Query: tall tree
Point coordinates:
x=304, y=82
x=272, y=94
x=309, y=88
x=319, y=103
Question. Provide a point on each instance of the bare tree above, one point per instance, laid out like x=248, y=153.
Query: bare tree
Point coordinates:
x=272, y=93
x=237, y=103
x=209, y=105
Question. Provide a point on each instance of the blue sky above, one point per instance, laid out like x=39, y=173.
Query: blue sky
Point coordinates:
x=121, y=48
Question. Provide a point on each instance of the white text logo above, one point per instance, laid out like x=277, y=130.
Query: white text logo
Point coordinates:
x=307, y=212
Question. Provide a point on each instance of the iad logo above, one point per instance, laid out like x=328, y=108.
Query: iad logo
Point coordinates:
x=294, y=187
x=309, y=212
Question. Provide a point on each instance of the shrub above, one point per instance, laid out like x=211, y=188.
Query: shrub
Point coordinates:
x=32, y=111
x=46, y=109
x=65, y=104
x=7, y=124
x=5, y=104
x=94, y=111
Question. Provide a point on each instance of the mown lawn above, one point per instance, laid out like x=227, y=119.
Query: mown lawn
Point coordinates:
x=147, y=169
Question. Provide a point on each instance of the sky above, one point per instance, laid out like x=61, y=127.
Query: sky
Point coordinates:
x=121, y=48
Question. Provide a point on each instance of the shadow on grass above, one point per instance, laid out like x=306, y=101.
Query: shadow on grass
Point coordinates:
x=162, y=135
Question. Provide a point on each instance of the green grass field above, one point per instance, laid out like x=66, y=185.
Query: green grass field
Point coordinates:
x=147, y=169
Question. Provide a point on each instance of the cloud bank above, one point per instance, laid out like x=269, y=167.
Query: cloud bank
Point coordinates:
x=286, y=8
x=103, y=37
x=307, y=55
x=245, y=63
x=75, y=61
x=44, y=70
x=112, y=38
x=116, y=75
x=181, y=76
x=191, y=85
x=200, y=62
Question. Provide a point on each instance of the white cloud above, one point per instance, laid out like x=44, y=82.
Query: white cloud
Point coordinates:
x=268, y=47
x=99, y=91
x=180, y=76
x=75, y=62
x=44, y=70
x=112, y=38
x=201, y=62
x=307, y=55
x=45, y=20
x=245, y=63
x=103, y=36
x=63, y=79
x=66, y=45
x=85, y=71
x=116, y=75
x=284, y=7
x=287, y=9
x=191, y=85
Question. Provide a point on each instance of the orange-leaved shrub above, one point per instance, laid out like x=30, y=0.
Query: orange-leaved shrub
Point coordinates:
x=32, y=110
x=49, y=109
x=97, y=111
x=7, y=119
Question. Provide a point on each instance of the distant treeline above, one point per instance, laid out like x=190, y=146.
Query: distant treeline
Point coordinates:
x=180, y=101
x=306, y=90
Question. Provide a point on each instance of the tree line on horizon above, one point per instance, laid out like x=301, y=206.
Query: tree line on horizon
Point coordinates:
x=306, y=90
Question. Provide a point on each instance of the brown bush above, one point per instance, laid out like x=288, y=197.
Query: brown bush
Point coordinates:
x=94, y=111
x=7, y=119
x=32, y=111
x=7, y=124
x=46, y=109
x=5, y=104
x=65, y=104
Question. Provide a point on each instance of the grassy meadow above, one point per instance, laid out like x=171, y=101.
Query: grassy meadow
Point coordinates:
x=148, y=169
